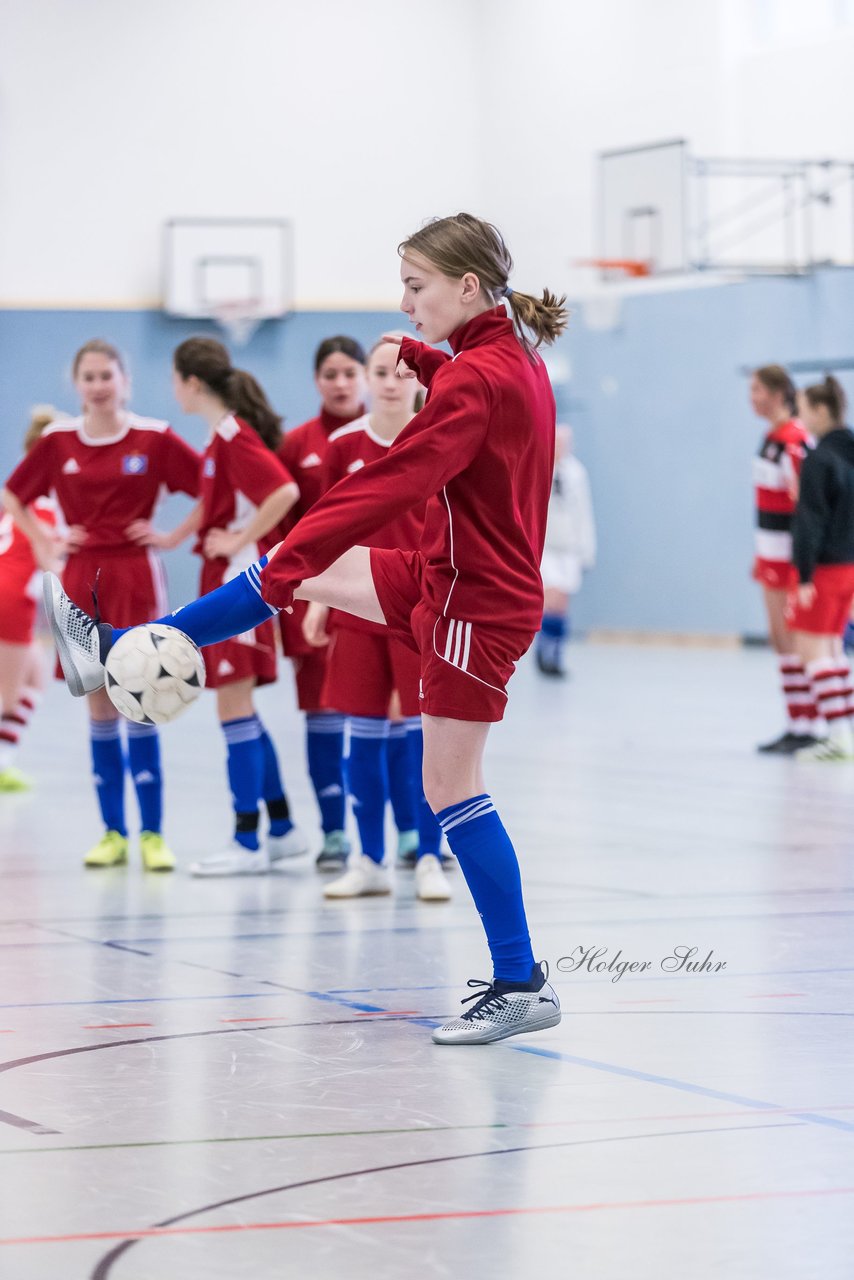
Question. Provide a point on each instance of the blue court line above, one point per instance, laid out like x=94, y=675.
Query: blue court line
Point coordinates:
x=683, y=1085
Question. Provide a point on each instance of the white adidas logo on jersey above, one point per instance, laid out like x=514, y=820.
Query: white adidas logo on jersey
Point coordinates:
x=355, y=466
x=225, y=668
x=71, y=467
x=311, y=460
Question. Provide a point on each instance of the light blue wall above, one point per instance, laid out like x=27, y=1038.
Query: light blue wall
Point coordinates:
x=662, y=421
x=659, y=407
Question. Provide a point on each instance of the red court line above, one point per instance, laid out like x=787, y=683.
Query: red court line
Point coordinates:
x=266, y=1019
x=114, y=1026
x=227, y=1228
x=663, y=1001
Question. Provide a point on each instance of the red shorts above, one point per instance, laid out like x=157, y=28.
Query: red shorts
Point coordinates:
x=310, y=675
x=778, y=575
x=363, y=671
x=829, y=611
x=465, y=666
x=251, y=656
x=131, y=587
x=17, y=617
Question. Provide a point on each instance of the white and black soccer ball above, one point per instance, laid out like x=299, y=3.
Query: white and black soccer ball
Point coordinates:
x=153, y=673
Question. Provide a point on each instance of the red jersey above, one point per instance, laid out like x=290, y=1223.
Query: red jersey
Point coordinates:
x=106, y=484
x=17, y=562
x=776, y=471
x=351, y=448
x=238, y=472
x=302, y=451
x=482, y=451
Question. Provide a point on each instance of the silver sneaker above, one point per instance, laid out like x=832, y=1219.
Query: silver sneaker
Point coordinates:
x=77, y=639
x=499, y=1013
x=236, y=860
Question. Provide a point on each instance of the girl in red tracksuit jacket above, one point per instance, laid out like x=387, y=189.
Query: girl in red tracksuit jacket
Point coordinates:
x=469, y=600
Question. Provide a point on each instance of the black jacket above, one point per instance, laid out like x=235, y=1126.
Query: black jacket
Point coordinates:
x=823, y=524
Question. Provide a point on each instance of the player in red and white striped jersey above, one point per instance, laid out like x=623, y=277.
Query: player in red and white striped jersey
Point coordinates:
x=108, y=468
x=367, y=665
x=22, y=673
x=776, y=470
x=339, y=374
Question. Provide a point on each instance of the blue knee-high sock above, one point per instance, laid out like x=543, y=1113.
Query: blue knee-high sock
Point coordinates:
x=108, y=771
x=401, y=789
x=272, y=788
x=488, y=861
x=429, y=831
x=367, y=776
x=144, y=766
x=554, y=633
x=229, y=611
x=324, y=745
x=245, y=775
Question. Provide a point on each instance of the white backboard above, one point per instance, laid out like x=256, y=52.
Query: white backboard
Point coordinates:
x=209, y=263
x=642, y=206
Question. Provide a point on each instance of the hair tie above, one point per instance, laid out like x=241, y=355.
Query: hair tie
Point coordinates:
x=507, y=291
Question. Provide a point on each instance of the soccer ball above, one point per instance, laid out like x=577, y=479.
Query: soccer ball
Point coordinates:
x=154, y=673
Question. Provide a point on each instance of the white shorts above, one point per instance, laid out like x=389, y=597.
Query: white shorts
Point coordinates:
x=562, y=571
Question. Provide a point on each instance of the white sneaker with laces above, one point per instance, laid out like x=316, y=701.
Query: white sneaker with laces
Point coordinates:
x=500, y=1011
x=431, y=883
x=364, y=879
x=291, y=845
x=77, y=639
x=233, y=861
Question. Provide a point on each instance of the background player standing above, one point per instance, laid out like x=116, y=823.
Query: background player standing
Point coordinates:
x=776, y=471
x=339, y=374
x=367, y=666
x=107, y=468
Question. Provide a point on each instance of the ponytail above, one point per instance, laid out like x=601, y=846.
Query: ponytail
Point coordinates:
x=545, y=317
x=775, y=378
x=245, y=397
x=209, y=361
x=830, y=394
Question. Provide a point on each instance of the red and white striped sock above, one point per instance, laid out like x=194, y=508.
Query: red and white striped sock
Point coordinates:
x=798, y=694
x=13, y=723
x=830, y=679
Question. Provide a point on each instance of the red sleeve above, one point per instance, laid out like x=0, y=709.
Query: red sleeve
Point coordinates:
x=438, y=444
x=33, y=476
x=253, y=468
x=287, y=450
x=426, y=361
x=180, y=465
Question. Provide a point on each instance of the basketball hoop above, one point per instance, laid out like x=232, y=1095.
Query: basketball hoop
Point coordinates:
x=618, y=268
x=240, y=318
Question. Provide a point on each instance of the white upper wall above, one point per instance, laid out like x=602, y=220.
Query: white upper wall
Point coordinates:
x=359, y=120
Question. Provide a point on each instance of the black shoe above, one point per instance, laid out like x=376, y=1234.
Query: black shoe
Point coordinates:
x=407, y=861
x=806, y=740
x=785, y=745
x=547, y=667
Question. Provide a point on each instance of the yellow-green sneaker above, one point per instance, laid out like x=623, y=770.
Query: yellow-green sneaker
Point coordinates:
x=110, y=851
x=156, y=854
x=12, y=779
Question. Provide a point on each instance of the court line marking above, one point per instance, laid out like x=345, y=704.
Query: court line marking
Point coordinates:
x=104, y=1266
x=447, y=1216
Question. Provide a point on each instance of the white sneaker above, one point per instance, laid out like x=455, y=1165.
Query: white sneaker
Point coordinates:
x=431, y=883
x=365, y=878
x=291, y=845
x=233, y=861
x=77, y=639
x=828, y=751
